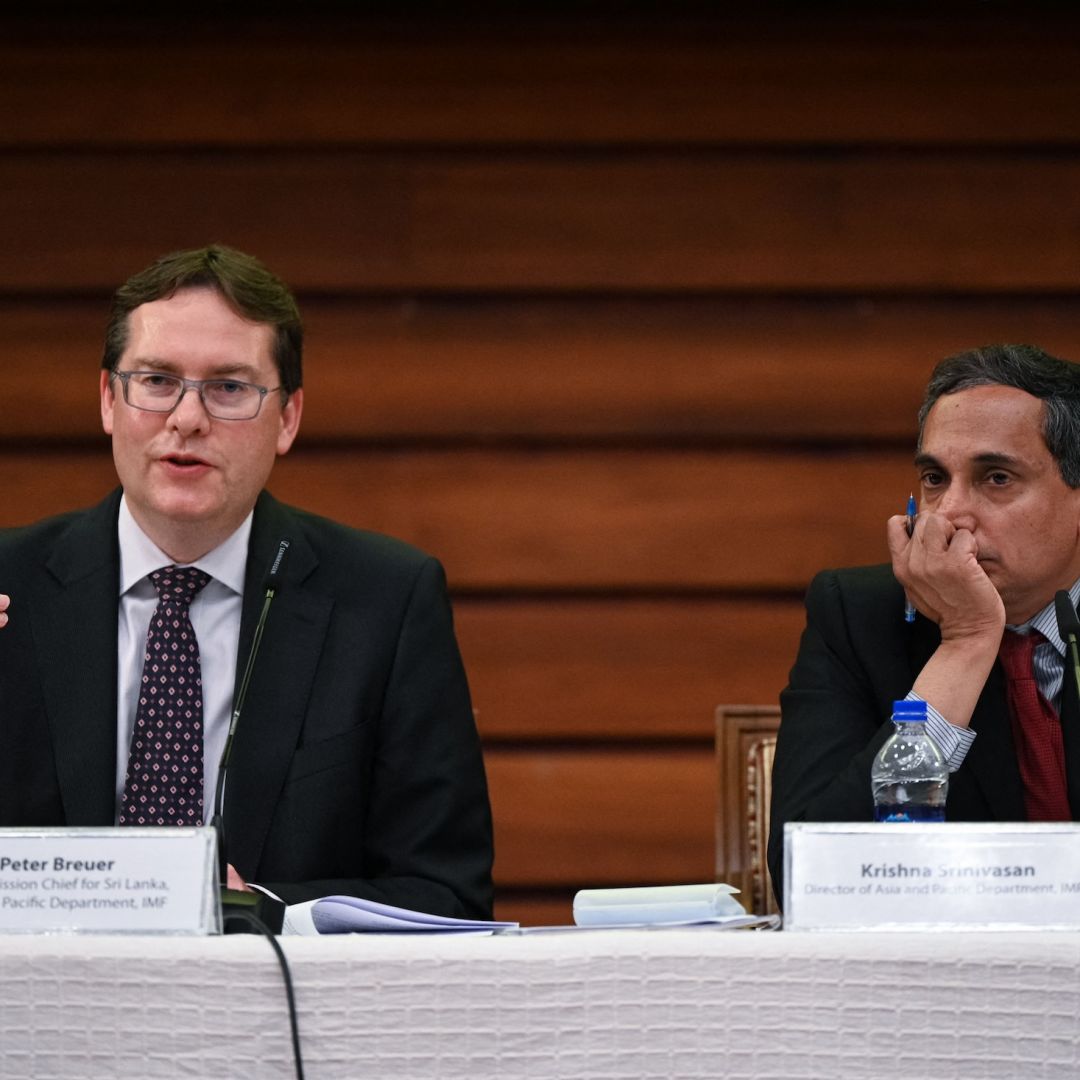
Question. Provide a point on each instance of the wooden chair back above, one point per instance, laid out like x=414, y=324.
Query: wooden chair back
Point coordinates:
x=745, y=742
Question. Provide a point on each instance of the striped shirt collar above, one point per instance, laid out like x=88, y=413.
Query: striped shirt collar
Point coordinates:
x=1045, y=621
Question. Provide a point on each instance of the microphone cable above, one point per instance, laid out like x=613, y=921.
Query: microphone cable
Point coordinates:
x=236, y=914
x=259, y=927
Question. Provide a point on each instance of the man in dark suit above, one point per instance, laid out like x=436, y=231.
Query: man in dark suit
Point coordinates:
x=356, y=766
x=997, y=536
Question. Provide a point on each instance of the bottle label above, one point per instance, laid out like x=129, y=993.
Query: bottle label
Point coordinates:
x=909, y=812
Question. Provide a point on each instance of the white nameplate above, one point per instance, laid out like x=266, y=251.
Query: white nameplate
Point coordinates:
x=120, y=881
x=951, y=876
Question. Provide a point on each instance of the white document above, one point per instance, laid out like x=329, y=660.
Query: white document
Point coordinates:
x=720, y=922
x=656, y=904
x=351, y=914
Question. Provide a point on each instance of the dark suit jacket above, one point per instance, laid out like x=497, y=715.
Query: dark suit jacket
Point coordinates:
x=356, y=766
x=857, y=656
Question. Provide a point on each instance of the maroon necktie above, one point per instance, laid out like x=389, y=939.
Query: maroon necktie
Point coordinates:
x=164, y=783
x=1040, y=749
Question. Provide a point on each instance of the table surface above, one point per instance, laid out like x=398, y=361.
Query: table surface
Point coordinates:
x=604, y=1003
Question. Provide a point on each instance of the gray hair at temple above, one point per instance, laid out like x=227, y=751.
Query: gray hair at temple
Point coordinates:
x=1023, y=367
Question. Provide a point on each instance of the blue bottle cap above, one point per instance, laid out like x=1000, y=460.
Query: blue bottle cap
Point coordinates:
x=907, y=711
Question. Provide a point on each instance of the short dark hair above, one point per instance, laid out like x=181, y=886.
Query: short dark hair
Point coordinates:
x=245, y=284
x=1023, y=367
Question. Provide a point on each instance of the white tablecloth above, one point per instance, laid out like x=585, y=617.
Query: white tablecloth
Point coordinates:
x=603, y=1004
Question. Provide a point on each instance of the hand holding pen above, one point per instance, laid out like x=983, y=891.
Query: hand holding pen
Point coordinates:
x=912, y=509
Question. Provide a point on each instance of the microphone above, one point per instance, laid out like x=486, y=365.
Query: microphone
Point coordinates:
x=269, y=910
x=1069, y=629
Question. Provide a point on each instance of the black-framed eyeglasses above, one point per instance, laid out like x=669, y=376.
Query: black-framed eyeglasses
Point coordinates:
x=223, y=399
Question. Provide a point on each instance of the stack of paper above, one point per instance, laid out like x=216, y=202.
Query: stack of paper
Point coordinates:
x=655, y=905
x=350, y=914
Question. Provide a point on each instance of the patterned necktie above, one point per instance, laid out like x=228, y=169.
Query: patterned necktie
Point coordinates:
x=164, y=783
x=1040, y=749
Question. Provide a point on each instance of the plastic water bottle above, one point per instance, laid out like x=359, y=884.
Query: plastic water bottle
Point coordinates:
x=909, y=778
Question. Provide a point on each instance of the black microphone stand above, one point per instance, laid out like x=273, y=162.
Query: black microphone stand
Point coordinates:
x=242, y=910
x=1069, y=629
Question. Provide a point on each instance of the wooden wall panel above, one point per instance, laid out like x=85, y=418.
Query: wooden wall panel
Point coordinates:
x=658, y=221
x=823, y=76
x=531, y=907
x=621, y=669
x=650, y=368
x=606, y=520
x=603, y=817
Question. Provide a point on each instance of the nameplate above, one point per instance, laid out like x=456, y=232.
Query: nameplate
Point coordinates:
x=951, y=876
x=120, y=881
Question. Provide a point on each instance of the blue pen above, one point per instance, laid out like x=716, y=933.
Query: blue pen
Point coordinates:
x=912, y=509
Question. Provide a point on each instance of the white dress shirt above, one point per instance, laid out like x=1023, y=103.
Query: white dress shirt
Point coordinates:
x=215, y=616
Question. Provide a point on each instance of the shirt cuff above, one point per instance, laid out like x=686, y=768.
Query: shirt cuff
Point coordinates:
x=954, y=742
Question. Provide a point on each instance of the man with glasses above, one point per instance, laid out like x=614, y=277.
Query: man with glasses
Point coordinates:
x=356, y=767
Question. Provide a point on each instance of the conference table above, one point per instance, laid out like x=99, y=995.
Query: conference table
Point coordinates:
x=694, y=1003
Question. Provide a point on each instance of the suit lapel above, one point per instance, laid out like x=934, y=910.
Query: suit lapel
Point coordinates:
x=272, y=716
x=74, y=630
